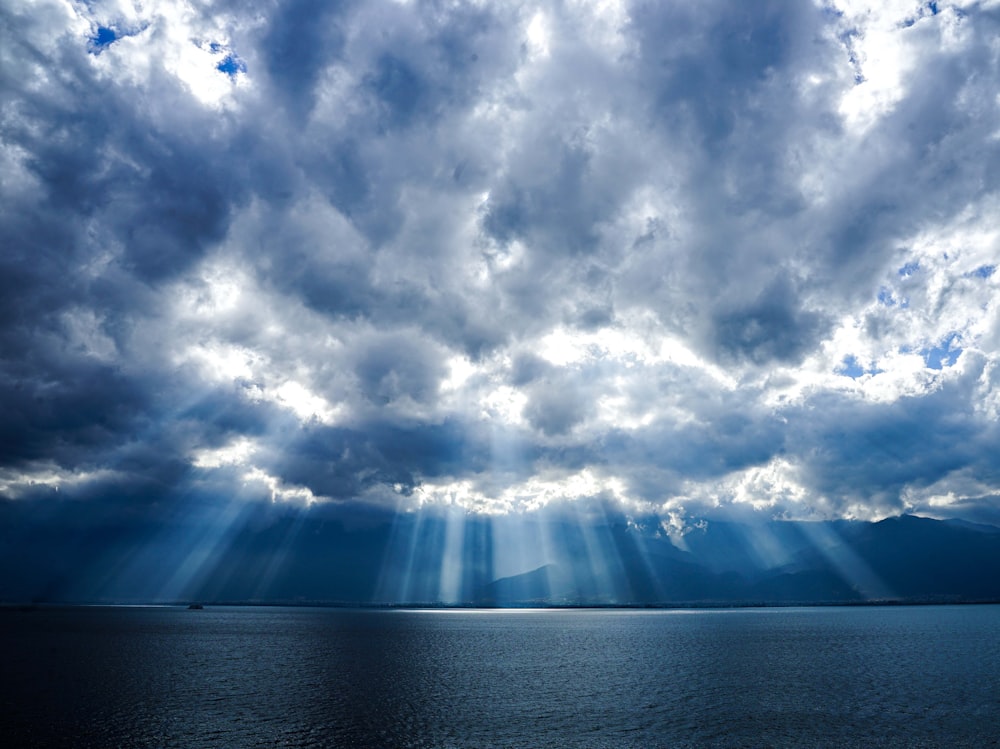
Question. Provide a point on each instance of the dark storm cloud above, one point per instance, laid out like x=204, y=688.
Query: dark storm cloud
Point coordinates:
x=888, y=454
x=102, y=201
x=300, y=40
x=160, y=188
x=714, y=94
x=394, y=366
x=556, y=208
x=79, y=407
x=343, y=464
x=771, y=328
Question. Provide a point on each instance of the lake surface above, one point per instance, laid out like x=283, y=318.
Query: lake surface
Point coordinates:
x=241, y=677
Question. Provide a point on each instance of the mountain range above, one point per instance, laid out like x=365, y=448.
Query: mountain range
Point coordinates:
x=311, y=559
x=900, y=559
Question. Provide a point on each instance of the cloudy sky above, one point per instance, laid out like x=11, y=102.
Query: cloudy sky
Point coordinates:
x=684, y=259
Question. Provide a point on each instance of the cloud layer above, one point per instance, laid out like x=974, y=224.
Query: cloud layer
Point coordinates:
x=689, y=260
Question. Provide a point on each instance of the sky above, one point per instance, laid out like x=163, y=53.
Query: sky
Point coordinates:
x=669, y=261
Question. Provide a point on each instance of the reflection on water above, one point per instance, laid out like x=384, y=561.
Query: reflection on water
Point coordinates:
x=311, y=677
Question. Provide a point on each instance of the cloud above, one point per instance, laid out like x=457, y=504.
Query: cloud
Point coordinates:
x=685, y=259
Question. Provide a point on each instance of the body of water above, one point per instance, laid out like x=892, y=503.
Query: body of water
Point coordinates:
x=242, y=677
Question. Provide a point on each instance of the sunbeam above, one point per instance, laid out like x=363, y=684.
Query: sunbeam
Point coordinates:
x=452, y=569
x=847, y=563
x=393, y=573
x=201, y=549
x=477, y=559
x=611, y=583
x=277, y=556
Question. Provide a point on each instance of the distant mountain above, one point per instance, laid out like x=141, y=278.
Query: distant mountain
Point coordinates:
x=920, y=558
x=664, y=580
x=982, y=528
x=313, y=557
x=903, y=559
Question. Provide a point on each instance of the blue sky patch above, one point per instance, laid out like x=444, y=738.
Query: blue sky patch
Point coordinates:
x=231, y=65
x=909, y=269
x=927, y=11
x=944, y=354
x=984, y=271
x=104, y=37
x=851, y=368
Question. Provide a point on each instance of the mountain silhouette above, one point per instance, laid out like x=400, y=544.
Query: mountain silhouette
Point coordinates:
x=902, y=559
x=298, y=558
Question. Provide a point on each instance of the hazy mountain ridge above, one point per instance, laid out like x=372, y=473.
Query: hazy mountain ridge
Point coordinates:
x=902, y=559
x=312, y=559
